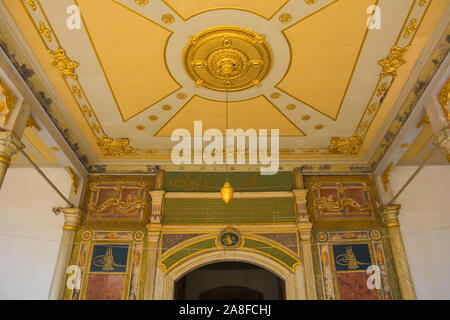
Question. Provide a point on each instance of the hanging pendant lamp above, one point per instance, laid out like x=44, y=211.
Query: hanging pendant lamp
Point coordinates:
x=226, y=192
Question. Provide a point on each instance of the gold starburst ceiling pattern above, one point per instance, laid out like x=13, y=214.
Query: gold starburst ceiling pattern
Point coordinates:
x=137, y=70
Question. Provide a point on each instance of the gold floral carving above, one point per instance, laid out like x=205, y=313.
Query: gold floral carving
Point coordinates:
x=381, y=89
x=393, y=61
x=372, y=109
x=75, y=180
x=410, y=28
x=347, y=146
x=76, y=91
x=31, y=4
x=115, y=147
x=285, y=18
x=9, y=100
x=64, y=64
x=227, y=58
x=309, y=2
x=45, y=31
x=386, y=177
x=168, y=18
x=444, y=97
x=141, y=2
x=422, y=2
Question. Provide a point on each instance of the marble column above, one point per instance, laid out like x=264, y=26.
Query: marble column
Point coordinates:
x=153, y=235
x=389, y=215
x=71, y=222
x=304, y=227
x=9, y=145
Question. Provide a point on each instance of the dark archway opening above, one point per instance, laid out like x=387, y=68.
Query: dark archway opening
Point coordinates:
x=230, y=281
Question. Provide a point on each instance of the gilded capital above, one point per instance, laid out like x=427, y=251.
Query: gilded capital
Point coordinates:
x=389, y=214
x=71, y=218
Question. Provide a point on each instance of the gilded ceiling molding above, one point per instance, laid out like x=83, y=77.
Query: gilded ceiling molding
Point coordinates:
x=64, y=64
x=393, y=61
x=9, y=100
x=310, y=2
x=386, y=177
x=115, y=147
x=74, y=179
x=444, y=97
x=346, y=146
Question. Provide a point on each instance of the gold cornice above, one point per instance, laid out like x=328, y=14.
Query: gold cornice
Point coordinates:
x=9, y=100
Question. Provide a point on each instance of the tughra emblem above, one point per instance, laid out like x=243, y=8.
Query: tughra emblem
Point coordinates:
x=349, y=260
x=106, y=261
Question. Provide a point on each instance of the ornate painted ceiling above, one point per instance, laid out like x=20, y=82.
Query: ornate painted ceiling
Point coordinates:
x=137, y=70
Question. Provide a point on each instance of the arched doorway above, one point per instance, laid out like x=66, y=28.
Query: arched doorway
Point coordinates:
x=230, y=281
x=164, y=281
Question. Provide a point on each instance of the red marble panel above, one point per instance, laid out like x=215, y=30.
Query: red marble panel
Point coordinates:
x=353, y=286
x=105, y=287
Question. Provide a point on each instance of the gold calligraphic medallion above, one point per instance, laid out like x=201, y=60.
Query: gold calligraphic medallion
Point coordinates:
x=227, y=58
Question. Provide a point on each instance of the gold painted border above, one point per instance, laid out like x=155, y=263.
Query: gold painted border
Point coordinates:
x=224, y=8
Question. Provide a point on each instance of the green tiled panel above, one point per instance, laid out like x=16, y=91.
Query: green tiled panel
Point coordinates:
x=241, y=181
x=210, y=211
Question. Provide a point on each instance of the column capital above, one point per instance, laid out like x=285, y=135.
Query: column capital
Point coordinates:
x=304, y=228
x=389, y=215
x=9, y=145
x=442, y=140
x=157, y=199
x=300, y=201
x=153, y=231
x=157, y=195
x=71, y=218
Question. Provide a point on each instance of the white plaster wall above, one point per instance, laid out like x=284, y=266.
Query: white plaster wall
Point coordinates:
x=29, y=231
x=425, y=225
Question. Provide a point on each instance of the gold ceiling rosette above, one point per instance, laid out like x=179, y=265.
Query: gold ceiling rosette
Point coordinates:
x=227, y=58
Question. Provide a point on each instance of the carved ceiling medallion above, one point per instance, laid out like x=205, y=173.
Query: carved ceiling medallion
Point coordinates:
x=227, y=58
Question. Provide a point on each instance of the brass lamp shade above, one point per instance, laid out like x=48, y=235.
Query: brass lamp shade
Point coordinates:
x=226, y=192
